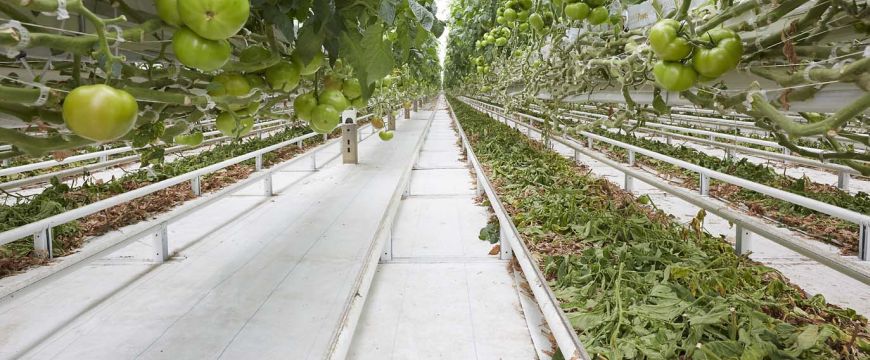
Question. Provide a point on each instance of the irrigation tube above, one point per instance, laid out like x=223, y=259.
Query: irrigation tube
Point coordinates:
x=776, y=235
x=559, y=324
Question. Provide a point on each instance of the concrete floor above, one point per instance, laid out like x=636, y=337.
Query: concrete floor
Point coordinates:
x=811, y=276
x=442, y=296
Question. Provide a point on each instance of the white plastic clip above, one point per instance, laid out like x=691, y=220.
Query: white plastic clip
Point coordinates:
x=61, y=12
x=23, y=38
x=751, y=93
x=807, y=69
x=43, y=94
x=209, y=104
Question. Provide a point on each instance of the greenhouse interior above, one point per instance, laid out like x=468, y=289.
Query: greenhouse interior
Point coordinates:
x=435, y=179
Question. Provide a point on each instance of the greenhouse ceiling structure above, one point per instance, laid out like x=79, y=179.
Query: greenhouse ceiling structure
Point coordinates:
x=435, y=179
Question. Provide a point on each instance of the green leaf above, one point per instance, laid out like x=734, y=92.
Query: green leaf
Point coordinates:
x=659, y=104
x=423, y=15
x=308, y=44
x=387, y=11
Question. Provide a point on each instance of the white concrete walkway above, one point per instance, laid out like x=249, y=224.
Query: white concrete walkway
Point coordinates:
x=442, y=296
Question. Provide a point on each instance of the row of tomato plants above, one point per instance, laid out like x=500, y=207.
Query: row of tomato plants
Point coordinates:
x=60, y=197
x=820, y=226
x=636, y=284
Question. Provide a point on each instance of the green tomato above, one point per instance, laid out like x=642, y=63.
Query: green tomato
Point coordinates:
x=505, y=32
x=598, y=15
x=510, y=15
x=537, y=22
x=192, y=139
x=577, y=11
x=595, y=3
x=501, y=42
x=232, y=126
x=525, y=4
x=254, y=54
x=167, y=10
x=386, y=135
x=500, y=20
x=524, y=27
x=100, y=112
x=723, y=57
x=214, y=19
x=283, y=76
x=523, y=15
x=198, y=52
x=312, y=66
x=674, y=76
x=229, y=84
x=324, y=118
x=335, y=99
x=665, y=40
x=256, y=81
x=351, y=88
x=304, y=104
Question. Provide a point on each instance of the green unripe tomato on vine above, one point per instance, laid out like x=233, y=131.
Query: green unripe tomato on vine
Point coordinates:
x=386, y=135
x=501, y=42
x=595, y=3
x=214, y=19
x=100, y=112
x=665, y=41
x=598, y=15
x=233, y=127
x=525, y=4
x=674, y=76
x=192, y=139
x=334, y=98
x=537, y=22
x=523, y=15
x=304, y=104
x=283, y=76
x=500, y=20
x=577, y=11
x=198, y=52
x=351, y=88
x=167, y=10
x=324, y=118
x=524, y=27
x=229, y=84
x=510, y=15
x=722, y=56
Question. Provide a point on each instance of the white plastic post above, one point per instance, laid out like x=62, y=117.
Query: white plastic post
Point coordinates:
x=629, y=180
x=505, y=251
x=267, y=185
x=42, y=243
x=195, y=186
x=742, y=238
x=863, y=242
x=704, y=185
x=387, y=252
x=843, y=180
x=258, y=162
x=160, y=242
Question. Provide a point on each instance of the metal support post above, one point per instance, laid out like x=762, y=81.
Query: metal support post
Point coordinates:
x=704, y=185
x=742, y=240
x=42, y=243
x=576, y=156
x=349, y=142
x=299, y=143
x=669, y=139
x=416, y=107
x=314, y=160
x=843, y=180
x=325, y=137
x=267, y=185
x=391, y=122
x=863, y=241
x=160, y=243
x=505, y=251
x=196, y=186
x=589, y=142
x=407, y=113
x=629, y=180
x=258, y=162
x=387, y=253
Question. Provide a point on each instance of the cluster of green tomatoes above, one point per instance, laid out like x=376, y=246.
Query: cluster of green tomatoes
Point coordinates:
x=322, y=110
x=593, y=11
x=683, y=62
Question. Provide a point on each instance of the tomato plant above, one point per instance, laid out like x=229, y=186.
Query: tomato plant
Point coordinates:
x=198, y=52
x=324, y=118
x=666, y=41
x=722, y=55
x=674, y=76
x=283, y=76
x=214, y=19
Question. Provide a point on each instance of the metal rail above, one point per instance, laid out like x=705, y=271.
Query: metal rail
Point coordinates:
x=559, y=324
x=862, y=220
x=103, y=155
x=745, y=225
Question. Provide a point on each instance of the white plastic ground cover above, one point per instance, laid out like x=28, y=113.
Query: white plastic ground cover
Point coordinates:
x=561, y=327
x=833, y=261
